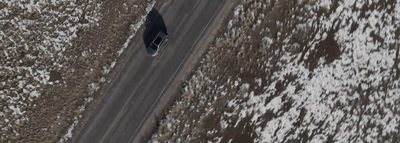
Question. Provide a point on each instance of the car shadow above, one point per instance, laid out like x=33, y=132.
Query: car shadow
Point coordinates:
x=154, y=24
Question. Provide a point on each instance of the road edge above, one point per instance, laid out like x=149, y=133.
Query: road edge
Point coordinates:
x=169, y=96
x=98, y=102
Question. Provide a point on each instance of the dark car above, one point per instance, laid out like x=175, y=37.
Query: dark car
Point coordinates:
x=158, y=41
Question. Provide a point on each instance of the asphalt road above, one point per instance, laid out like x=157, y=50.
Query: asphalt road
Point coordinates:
x=136, y=90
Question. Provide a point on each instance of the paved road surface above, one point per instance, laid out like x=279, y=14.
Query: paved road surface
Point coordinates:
x=138, y=87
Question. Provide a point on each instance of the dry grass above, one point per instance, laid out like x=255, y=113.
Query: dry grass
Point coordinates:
x=70, y=71
x=214, y=104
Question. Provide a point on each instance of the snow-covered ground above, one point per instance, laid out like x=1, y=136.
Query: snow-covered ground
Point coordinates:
x=34, y=37
x=292, y=71
x=54, y=56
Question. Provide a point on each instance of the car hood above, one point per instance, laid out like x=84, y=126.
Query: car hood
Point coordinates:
x=151, y=51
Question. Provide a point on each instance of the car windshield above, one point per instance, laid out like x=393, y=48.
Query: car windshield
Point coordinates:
x=158, y=40
x=153, y=46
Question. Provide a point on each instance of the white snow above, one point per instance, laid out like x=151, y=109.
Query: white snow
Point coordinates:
x=16, y=110
x=354, y=98
x=325, y=4
x=68, y=135
x=244, y=87
x=32, y=32
x=266, y=42
x=364, y=63
x=238, y=10
x=135, y=27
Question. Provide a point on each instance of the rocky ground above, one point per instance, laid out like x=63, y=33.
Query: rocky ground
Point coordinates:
x=295, y=71
x=54, y=55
